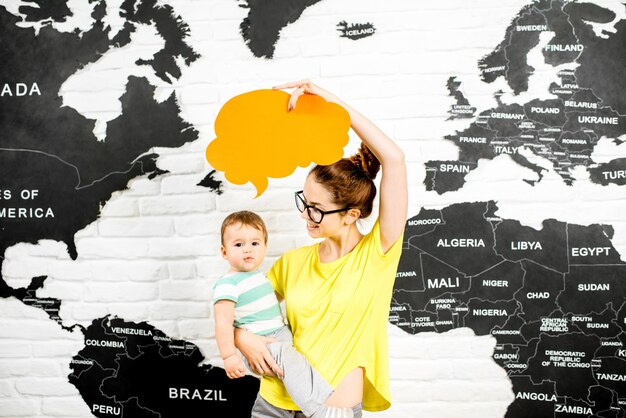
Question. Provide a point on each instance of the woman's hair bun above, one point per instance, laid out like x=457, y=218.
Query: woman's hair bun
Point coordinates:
x=350, y=181
x=366, y=161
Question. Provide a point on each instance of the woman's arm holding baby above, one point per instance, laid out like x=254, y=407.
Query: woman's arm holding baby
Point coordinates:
x=254, y=348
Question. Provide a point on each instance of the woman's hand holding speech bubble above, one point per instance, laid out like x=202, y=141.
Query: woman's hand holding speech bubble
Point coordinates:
x=262, y=134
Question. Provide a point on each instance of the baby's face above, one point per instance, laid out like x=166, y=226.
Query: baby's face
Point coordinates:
x=244, y=247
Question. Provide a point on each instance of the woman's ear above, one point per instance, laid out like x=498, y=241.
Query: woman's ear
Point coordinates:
x=352, y=215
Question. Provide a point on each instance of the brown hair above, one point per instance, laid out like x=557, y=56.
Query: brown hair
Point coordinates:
x=350, y=181
x=245, y=218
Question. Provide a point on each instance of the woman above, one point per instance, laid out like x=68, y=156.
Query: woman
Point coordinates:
x=338, y=291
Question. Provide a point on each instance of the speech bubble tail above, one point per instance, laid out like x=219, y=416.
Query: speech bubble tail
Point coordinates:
x=261, y=186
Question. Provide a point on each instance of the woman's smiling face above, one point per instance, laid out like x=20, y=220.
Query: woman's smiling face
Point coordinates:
x=315, y=194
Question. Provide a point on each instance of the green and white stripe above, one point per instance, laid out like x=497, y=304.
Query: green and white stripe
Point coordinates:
x=256, y=307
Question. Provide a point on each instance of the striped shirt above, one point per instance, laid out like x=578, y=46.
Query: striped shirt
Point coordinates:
x=256, y=308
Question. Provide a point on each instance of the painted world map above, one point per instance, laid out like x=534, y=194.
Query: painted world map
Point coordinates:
x=553, y=298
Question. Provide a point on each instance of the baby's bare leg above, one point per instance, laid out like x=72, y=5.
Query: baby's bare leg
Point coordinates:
x=349, y=392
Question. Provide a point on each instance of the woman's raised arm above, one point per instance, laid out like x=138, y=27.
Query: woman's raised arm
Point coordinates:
x=393, y=184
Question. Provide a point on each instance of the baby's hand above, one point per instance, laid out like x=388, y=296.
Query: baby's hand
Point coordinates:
x=234, y=367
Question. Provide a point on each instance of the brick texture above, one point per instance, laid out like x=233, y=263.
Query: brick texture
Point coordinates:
x=153, y=254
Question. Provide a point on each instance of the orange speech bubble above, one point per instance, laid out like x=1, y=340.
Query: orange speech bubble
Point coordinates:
x=257, y=138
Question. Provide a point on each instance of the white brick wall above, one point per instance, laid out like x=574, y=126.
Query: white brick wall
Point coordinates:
x=153, y=254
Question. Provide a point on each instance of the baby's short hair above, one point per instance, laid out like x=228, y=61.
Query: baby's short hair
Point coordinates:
x=247, y=218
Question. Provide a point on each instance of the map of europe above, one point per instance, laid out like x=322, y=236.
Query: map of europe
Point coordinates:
x=553, y=298
x=564, y=130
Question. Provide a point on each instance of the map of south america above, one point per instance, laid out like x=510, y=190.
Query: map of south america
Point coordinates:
x=134, y=370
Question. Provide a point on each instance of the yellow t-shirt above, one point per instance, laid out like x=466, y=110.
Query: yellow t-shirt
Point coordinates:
x=338, y=314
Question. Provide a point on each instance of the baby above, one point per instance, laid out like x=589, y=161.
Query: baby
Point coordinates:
x=244, y=298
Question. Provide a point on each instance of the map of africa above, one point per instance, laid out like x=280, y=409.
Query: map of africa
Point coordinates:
x=553, y=298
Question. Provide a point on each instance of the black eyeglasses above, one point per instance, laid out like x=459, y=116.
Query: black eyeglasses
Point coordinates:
x=315, y=214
